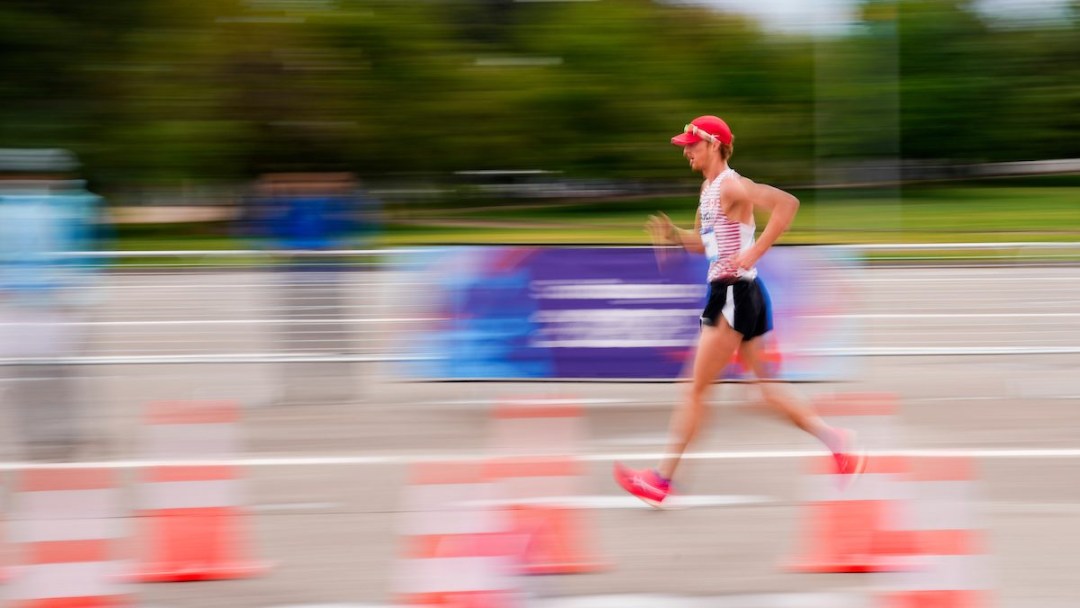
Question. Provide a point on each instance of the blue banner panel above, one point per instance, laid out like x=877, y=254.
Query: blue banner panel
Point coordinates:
x=605, y=313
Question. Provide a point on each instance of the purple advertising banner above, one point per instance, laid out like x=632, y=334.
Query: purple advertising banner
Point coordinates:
x=608, y=313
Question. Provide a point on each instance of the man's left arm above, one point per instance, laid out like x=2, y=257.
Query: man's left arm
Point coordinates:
x=782, y=208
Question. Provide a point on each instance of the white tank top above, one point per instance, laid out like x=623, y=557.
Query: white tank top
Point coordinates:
x=722, y=237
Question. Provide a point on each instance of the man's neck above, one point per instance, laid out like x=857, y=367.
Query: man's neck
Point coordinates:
x=714, y=171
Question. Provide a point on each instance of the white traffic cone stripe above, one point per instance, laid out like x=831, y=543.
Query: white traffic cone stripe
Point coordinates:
x=432, y=509
x=479, y=519
x=185, y=441
x=455, y=575
x=82, y=579
x=873, y=417
x=65, y=504
x=876, y=432
x=537, y=436
x=29, y=531
x=944, y=505
x=529, y=478
x=841, y=488
x=190, y=494
x=944, y=573
x=552, y=427
x=524, y=489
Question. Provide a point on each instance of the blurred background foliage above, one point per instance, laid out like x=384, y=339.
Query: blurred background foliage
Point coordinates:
x=153, y=92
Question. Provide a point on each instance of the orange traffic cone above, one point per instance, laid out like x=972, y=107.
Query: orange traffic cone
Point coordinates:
x=843, y=526
x=536, y=490
x=943, y=545
x=459, y=551
x=535, y=440
x=845, y=518
x=65, y=524
x=537, y=426
x=192, y=528
x=191, y=517
x=873, y=416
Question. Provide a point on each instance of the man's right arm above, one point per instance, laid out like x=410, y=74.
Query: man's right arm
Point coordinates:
x=689, y=240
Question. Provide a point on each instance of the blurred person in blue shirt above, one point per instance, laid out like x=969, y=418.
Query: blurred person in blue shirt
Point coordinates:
x=46, y=218
x=303, y=212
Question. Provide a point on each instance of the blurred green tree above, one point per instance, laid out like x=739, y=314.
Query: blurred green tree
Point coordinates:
x=156, y=91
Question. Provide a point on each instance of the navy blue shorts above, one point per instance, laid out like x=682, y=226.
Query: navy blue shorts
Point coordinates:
x=743, y=304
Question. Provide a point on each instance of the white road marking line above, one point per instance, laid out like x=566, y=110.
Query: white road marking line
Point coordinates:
x=335, y=606
x=553, y=401
x=633, y=440
x=265, y=285
x=971, y=315
x=776, y=600
x=666, y=401
x=187, y=322
x=931, y=351
x=1003, y=397
x=989, y=453
x=972, y=398
x=252, y=358
x=966, y=277
x=673, y=502
x=294, y=506
x=402, y=459
x=799, y=600
x=1044, y=508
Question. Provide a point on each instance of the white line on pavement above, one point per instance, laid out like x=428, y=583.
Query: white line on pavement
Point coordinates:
x=798, y=600
x=970, y=315
x=789, y=600
x=1043, y=508
x=674, y=502
x=1004, y=397
x=335, y=606
x=931, y=351
x=294, y=506
x=663, y=402
x=398, y=459
x=157, y=323
x=969, y=277
x=521, y=402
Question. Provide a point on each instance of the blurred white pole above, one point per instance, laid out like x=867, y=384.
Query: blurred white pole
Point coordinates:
x=857, y=103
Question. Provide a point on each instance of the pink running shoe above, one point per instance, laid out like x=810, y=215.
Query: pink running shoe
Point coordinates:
x=646, y=484
x=850, y=460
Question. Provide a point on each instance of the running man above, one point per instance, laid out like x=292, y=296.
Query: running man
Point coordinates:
x=737, y=313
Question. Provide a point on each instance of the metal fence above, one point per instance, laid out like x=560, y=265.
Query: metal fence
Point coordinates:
x=237, y=306
x=354, y=306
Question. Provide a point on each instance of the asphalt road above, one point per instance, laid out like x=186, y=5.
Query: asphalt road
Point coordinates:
x=326, y=468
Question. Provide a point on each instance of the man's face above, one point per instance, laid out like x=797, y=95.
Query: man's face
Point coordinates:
x=697, y=153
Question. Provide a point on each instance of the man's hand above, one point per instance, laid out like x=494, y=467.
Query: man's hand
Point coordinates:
x=661, y=230
x=744, y=260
